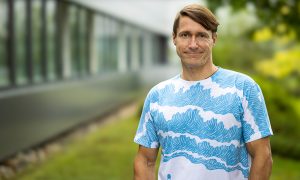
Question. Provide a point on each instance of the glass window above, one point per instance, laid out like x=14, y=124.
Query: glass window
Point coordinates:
x=155, y=49
x=107, y=38
x=82, y=41
x=3, y=51
x=141, y=51
x=78, y=30
x=129, y=46
x=128, y=51
x=36, y=40
x=105, y=45
x=112, y=38
x=50, y=39
x=20, y=30
x=99, y=40
x=75, y=47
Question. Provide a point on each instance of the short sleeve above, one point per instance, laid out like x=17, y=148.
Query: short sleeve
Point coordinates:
x=146, y=134
x=255, y=122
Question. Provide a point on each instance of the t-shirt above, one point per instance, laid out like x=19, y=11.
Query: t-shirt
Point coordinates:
x=202, y=126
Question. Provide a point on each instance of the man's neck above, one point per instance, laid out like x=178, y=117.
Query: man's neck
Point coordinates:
x=199, y=73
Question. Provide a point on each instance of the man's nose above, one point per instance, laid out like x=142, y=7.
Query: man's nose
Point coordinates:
x=193, y=43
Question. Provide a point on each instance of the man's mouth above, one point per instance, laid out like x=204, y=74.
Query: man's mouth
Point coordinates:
x=192, y=53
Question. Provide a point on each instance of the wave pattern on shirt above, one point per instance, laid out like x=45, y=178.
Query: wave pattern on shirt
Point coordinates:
x=204, y=122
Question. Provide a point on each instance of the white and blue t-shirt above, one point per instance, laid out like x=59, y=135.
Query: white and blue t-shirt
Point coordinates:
x=202, y=126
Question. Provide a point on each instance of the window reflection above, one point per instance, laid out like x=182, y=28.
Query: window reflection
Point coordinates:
x=98, y=48
x=100, y=37
x=72, y=10
x=78, y=40
x=50, y=39
x=20, y=48
x=36, y=40
x=155, y=49
x=141, y=50
x=129, y=51
x=113, y=39
x=82, y=39
x=3, y=51
x=105, y=43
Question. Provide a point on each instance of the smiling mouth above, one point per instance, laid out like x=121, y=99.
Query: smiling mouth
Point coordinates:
x=193, y=53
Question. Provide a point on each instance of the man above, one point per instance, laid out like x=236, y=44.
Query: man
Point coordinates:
x=211, y=123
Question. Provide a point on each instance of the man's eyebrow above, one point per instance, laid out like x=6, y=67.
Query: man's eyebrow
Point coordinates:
x=185, y=32
x=203, y=33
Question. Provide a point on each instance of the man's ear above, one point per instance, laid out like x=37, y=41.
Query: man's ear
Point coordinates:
x=214, y=37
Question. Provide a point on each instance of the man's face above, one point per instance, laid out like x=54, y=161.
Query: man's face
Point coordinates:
x=193, y=43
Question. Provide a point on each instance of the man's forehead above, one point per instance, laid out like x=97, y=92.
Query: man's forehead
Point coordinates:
x=188, y=24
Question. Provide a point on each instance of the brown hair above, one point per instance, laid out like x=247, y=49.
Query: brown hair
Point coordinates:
x=199, y=14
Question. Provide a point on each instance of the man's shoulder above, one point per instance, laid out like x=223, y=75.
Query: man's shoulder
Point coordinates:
x=238, y=77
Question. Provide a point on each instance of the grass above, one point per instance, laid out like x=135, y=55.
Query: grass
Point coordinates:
x=108, y=154
x=104, y=154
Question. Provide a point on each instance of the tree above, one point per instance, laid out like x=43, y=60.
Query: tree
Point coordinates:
x=282, y=16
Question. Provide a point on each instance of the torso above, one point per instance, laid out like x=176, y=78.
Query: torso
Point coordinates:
x=199, y=128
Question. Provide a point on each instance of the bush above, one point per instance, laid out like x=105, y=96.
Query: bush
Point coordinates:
x=285, y=146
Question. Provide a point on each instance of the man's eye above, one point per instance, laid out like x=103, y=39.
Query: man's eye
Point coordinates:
x=202, y=36
x=184, y=35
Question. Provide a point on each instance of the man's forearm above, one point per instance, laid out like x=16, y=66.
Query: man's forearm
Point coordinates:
x=143, y=170
x=261, y=168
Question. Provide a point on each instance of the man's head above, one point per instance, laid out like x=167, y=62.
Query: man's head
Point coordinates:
x=194, y=35
x=199, y=14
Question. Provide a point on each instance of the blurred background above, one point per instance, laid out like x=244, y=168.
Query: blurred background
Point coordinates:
x=64, y=63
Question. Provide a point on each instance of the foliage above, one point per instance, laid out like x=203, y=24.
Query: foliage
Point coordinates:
x=285, y=169
x=283, y=66
x=280, y=15
x=239, y=53
x=282, y=145
x=283, y=109
x=269, y=52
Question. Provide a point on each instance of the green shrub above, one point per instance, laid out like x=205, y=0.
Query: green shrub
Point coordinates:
x=285, y=146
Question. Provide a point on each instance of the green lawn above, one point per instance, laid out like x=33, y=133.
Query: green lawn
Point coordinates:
x=104, y=154
x=108, y=154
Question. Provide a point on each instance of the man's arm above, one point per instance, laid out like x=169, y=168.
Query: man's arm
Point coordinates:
x=260, y=151
x=144, y=163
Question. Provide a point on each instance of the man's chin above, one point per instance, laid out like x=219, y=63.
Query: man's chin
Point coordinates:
x=194, y=65
x=194, y=60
